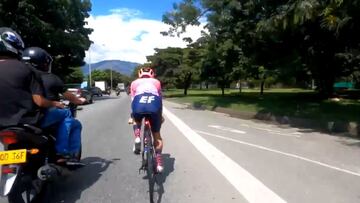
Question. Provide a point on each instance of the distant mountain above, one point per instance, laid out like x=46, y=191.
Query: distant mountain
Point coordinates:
x=123, y=67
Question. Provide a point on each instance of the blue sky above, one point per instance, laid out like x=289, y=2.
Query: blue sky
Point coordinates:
x=151, y=9
x=129, y=30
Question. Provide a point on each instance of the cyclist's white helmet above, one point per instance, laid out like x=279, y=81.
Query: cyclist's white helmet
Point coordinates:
x=146, y=72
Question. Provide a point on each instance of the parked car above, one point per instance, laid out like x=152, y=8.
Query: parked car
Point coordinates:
x=95, y=91
x=79, y=92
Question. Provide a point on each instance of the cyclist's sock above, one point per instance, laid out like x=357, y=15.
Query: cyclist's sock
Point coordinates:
x=159, y=163
x=137, y=129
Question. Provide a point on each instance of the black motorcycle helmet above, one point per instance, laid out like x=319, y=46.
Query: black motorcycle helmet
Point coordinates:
x=38, y=58
x=11, y=43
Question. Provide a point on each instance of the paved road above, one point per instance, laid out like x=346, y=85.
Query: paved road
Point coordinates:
x=211, y=157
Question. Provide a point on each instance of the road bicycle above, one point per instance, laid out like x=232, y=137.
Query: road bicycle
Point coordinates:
x=148, y=162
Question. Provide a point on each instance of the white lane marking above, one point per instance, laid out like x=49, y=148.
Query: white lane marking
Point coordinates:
x=283, y=134
x=275, y=132
x=227, y=129
x=243, y=132
x=251, y=188
x=283, y=153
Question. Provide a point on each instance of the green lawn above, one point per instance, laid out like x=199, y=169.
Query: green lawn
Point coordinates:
x=290, y=102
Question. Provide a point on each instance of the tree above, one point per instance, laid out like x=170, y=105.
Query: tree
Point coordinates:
x=98, y=75
x=116, y=77
x=166, y=63
x=190, y=67
x=76, y=76
x=325, y=35
x=105, y=75
x=291, y=39
x=57, y=26
x=177, y=67
x=231, y=25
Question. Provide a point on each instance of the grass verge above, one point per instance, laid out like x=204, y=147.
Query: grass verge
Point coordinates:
x=281, y=102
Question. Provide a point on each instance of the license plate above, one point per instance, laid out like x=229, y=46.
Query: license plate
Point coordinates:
x=13, y=156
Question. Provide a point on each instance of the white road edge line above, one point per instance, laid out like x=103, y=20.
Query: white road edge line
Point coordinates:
x=253, y=190
x=283, y=153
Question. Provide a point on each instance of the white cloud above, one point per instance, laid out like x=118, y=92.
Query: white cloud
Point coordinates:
x=125, y=35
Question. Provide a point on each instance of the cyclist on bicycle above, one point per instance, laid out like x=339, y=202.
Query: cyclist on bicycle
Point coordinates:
x=147, y=100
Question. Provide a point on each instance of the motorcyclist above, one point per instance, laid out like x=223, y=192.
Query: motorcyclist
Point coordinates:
x=21, y=94
x=118, y=91
x=146, y=98
x=68, y=138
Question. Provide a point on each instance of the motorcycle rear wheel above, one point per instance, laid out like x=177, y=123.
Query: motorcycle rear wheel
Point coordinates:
x=25, y=191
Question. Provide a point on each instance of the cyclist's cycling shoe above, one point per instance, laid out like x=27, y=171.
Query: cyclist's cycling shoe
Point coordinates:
x=159, y=163
x=137, y=145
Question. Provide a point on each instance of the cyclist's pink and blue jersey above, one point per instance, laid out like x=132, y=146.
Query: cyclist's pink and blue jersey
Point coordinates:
x=145, y=85
x=146, y=99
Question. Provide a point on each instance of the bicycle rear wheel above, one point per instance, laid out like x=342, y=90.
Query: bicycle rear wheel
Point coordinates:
x=150, y=164
x=151, y=174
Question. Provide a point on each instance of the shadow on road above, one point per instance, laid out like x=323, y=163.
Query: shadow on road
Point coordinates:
x=105, y=97
x=161, y=178
x=70, y=189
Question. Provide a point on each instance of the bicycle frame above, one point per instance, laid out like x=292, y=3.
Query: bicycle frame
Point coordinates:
x=148, y=148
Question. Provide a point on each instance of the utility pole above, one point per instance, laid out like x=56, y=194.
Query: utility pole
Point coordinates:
x=89, y=85
x=111, y=80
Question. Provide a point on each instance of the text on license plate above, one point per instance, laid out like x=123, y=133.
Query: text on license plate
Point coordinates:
x=13, y=156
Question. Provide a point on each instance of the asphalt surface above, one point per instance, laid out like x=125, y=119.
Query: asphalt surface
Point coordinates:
x=210, y=157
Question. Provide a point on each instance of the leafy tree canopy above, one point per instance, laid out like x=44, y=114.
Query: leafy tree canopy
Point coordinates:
x=57, y=26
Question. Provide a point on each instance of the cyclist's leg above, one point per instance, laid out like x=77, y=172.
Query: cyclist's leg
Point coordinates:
x=137, y=124
x=156, y=119
x=137, y=129
x=158, y=142
x=135, y=116
x=137, y=108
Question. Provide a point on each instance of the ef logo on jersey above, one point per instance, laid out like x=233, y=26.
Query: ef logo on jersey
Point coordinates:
x=146, y=99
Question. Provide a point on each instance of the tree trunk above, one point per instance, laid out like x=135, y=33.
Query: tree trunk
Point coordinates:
x=262, y=86
x=240, y=86
x=187, y=83
x=326, y=89
x=222, y=86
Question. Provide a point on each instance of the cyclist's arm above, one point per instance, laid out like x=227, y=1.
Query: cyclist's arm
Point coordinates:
x=132, y=90
x=158, y=87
